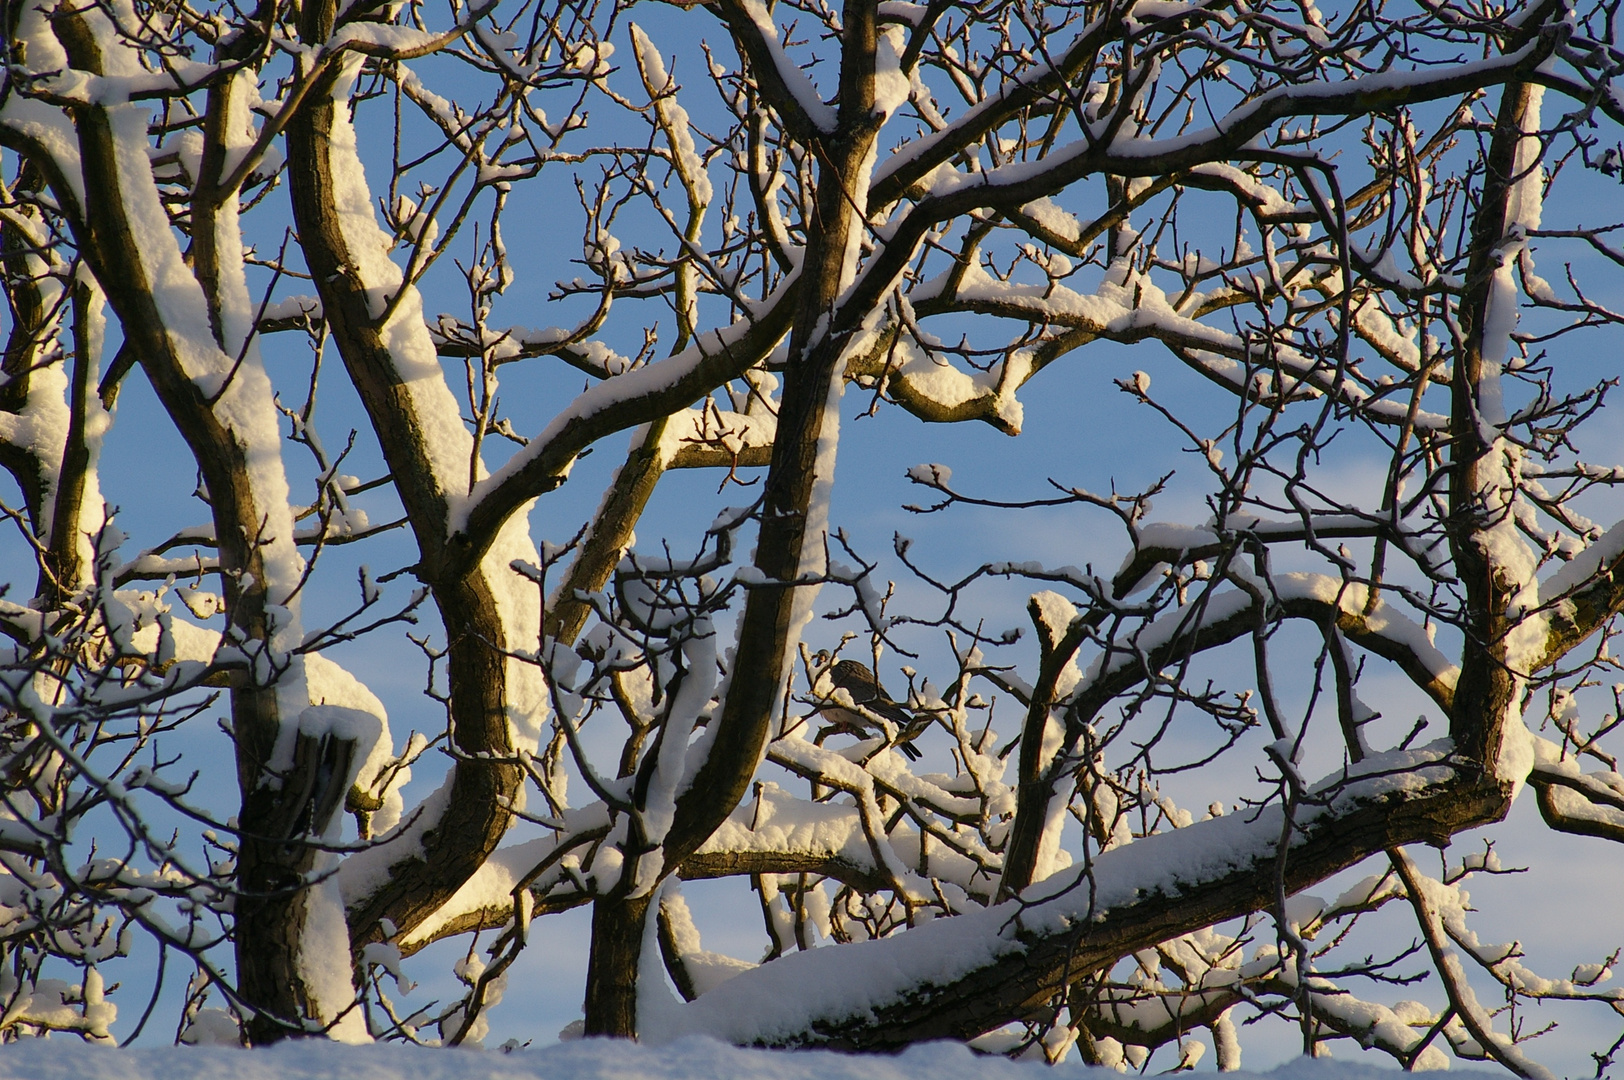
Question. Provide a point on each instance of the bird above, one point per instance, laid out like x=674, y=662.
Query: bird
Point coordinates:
x=876, y=713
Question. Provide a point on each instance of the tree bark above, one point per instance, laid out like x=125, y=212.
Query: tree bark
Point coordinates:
x=612, y=966
x=1487, y=690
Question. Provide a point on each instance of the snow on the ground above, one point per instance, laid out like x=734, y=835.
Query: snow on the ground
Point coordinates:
x=688, y=1059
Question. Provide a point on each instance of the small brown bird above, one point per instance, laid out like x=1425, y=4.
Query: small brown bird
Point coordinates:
x=877, y=714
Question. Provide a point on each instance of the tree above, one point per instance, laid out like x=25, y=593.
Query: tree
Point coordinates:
x=1331, y=218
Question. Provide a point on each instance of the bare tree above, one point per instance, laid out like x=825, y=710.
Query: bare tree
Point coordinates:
x=1329, y=217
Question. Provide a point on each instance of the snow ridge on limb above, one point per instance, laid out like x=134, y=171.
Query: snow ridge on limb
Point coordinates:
x=1166, y=543
x=777, y=833
x=1497, y=568
x=1581, y=596
x=919, y=159
x=1424, y=897
x=1130, y=311
x=1226, y=614
x=957, y=978
x=1014, y=185
x=1572, y=800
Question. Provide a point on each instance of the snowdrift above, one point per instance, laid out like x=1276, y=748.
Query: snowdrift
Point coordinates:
x=688, y=1059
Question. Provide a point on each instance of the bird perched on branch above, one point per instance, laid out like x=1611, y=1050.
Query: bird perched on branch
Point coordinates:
x=876, y=713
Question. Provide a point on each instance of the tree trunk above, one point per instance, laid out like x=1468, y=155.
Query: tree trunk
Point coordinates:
x=275, y=816
x=272, y=907
x=760, y=663
x=1488, y=688
x=617, y=951
x=483, y=791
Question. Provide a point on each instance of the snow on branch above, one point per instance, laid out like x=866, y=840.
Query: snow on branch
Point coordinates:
x=982, y=967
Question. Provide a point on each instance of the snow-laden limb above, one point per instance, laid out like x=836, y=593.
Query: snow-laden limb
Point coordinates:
x=498, y=699
x=694, y=969
x=46, y=1005
x=1111, y=150
x=958, y=977
x=50, y=447
x=1134, y=155
x=776, y=833
x=487, y=899
x=918, y=161
x=1496, y=566
x=1158, y=544
x=712, y=437
x=672, y=120
x=1143, y=1017
x=452, y=337
x=789, y=89
x=1450, y=905
x=938, y=391
x=772, y=833
x=667, y=770
x=1023, y=182
x=1575, y=801
x=1213, y=974
x=1127, y=311
x=1582, y=595
x=905, y=860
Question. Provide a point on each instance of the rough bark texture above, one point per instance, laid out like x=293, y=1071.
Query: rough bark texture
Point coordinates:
x=278, y=857
x=29, y=322
x=1037, y=782
x=63, y=570
x=612, y=966
x=611, y=531
x=271, y=862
